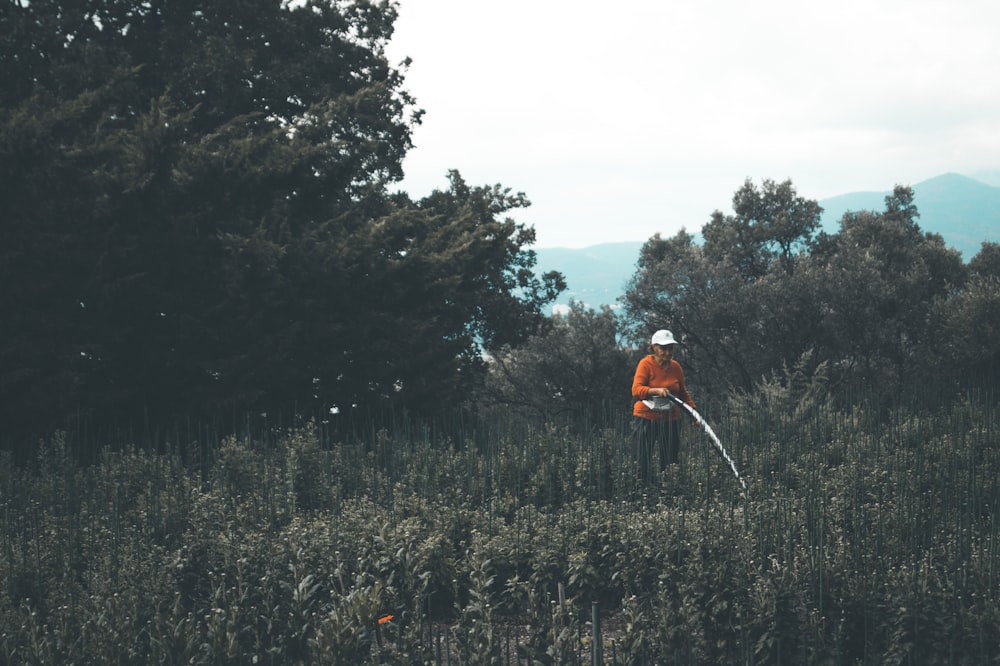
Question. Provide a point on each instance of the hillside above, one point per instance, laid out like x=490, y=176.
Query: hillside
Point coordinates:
x=596, y=275
x=965, y=211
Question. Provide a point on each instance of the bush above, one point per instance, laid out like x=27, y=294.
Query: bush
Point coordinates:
x=868, y=537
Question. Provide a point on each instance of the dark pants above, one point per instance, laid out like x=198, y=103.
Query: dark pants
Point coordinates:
x=664, y=437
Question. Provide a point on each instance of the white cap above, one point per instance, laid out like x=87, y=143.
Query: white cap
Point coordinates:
x=663, y=337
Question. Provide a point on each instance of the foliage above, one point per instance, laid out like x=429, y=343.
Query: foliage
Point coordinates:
x=869, y=536
x=869, y=301
x=768, y=228
x=880, y=303
x=573, y=369
x=987, y=262
x=966, y=330
x=879, y=287
x=197, y=220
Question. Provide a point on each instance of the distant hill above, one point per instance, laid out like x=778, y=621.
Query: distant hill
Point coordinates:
x=596, y=275
x=965, y=211
x=988, y=177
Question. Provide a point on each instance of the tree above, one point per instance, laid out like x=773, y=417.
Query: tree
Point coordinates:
x=772, y=223
x=677, y=286
x=169, y=157
x=575, y=368
x=197, y=217
x=738, y=320
x=878, y=285
x=762, y=295
x=439, y=281
x=966, y=333
x=987, y=261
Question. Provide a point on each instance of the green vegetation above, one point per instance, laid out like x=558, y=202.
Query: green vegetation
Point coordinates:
x=881, y=303
x=870, y=536
x=210, y=292
x=198, y=219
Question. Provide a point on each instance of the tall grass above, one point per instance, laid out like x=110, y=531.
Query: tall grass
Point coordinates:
x=869, y=536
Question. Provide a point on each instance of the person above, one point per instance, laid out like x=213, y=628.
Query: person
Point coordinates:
x=657, y=420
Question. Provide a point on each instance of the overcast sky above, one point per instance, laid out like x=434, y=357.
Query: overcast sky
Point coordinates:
x=619, y=120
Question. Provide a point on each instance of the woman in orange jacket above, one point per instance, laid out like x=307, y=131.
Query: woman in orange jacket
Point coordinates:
x=657, y=419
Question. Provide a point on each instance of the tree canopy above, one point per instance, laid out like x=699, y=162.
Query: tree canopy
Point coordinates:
x=575, y=369
x=878, y=307
x=198, y=214
x=881, y=304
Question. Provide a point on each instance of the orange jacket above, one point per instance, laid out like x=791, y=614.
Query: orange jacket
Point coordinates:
x=649, y=374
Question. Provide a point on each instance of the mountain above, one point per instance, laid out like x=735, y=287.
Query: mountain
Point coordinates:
x=965, y=211
x=988, y=177
x=596, y=275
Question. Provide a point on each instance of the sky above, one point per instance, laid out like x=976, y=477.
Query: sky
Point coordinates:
x=620, y=120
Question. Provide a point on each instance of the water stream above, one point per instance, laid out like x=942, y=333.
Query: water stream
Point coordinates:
x=693, y=413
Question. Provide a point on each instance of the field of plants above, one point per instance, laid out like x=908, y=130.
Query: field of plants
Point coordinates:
x=869, y=536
